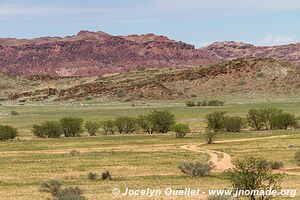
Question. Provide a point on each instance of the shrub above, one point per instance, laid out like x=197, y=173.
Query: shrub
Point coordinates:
x=71, y=193
x=108, y=127
x=162, y=120
x=52, y=186
x=199, y=103
x=215, y=103
x=233, y=124
x=253, y=173
x=297, y=157
x=14, y=112
x=125, y=124
x=257, y=118
x=7, y=133
x=91, y=127
x=204, y=103
x=196, y=169
x=106, y=175
x=120, y=93
x=210, y=136
x=276, y=164
x=215, y=121
x=72, y=127
x=92, y=176
x=181, y=129
x=50, y=129
x=146, y=123
x=190, y=104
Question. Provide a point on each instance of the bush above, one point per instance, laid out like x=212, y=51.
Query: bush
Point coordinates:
x=14, y=112
x=196, y=169
x=71, y=193
x=215, y=121
x=72, y=127
x=210, y=136
x=190, y=104
x=92, y=176
x=52, y=186
x=253, y=173
x=91, y=127
x=108, y=127
x=181, y=129
x=106, y=175
x=120, y=93
x=204, y=103
x=162, y=120
x=297, y=157
x=276, y=164
x=216, y=103
x=125, y=124
x=146, y=123
x=50, y=129
x=7, y=133
x=233, y=124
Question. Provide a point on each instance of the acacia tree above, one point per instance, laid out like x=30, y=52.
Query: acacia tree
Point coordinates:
x=254, y=174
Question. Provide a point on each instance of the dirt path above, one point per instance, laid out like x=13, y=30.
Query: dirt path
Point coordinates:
x=223, y=161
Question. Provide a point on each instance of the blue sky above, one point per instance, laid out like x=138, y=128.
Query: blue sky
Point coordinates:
x=199, y=22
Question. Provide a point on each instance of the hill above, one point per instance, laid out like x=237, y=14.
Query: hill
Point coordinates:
x=258, y=77
x=95, y=53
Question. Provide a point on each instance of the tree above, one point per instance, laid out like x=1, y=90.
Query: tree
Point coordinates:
x=7, y=133
x=251, y=174
x=125, y=124
x=146, y=123
x=50, y=129
x=162, y=120
x=91, y=127
x=215, y=121
x=72, y=127
x=196, y=169
x=181, y=129
x=256, y=118
x=283, y=121
x=108, y=126
x=210, y=136
x=233, y=124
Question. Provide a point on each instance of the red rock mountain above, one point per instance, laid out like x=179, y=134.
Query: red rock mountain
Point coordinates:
x=94, y=53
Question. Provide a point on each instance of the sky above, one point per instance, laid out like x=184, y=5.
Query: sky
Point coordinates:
x=198, y=22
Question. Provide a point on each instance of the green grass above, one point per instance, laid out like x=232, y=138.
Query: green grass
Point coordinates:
x=136, y=161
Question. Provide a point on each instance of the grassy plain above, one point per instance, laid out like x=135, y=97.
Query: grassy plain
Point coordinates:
x=135, y=161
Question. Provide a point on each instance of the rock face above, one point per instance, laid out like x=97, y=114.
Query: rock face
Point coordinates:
x=94, y=53
x=233, y=50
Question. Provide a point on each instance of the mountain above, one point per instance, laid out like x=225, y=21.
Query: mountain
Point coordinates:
x=245, y=77
x=94, y=53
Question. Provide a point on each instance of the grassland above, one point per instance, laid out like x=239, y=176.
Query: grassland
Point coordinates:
x=136, y=161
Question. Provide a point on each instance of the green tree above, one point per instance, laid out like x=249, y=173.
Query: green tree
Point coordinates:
x=48, y=129
x=146, y=123
x=251, y=174
x=108, y=127
x=257, y=118
x=181, y=129
x=162, y=120
x=283, y=121
x=125, y=124
x=215, y=121
x=91, y=127
x=72, y=127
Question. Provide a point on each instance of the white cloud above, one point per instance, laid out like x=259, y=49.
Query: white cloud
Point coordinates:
x=278, y=40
